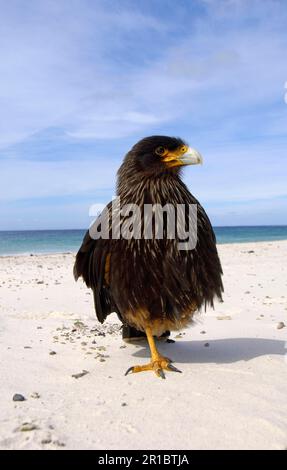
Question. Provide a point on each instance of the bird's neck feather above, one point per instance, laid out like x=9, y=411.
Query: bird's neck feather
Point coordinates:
x=136, y=186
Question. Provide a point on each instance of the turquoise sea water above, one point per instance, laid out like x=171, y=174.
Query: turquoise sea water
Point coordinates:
x=61, y=241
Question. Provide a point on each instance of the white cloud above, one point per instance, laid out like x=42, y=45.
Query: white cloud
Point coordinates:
x=30, y=179
x=64, y=66
x=229, y=175
x=95, y=72
x=55, y=71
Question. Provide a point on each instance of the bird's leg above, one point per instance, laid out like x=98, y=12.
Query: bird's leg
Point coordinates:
x=158, y=363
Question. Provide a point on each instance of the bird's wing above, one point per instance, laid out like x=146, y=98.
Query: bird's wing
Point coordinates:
x=193, y=275
x=92, y=263
x=203, y=264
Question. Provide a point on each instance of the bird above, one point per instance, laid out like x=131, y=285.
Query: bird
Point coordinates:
x=154, y=283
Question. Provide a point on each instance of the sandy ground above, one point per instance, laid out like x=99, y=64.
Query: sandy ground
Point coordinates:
x=231, y=394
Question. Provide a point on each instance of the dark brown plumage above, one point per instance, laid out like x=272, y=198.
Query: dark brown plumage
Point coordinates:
x=150, y=283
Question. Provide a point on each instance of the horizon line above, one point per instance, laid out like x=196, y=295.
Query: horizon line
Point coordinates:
x=86, y=229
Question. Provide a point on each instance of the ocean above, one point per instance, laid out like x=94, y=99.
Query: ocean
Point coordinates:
x=63, y=241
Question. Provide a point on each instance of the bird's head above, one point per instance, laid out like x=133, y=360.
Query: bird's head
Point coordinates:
x=157, y=154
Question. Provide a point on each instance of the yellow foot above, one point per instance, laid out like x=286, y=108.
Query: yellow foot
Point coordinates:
x=158, y=366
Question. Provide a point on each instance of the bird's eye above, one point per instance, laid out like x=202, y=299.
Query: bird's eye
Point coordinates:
x=160, y=151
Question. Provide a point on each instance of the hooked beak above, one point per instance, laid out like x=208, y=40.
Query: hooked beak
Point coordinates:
x=185, y=156
x=191, y=157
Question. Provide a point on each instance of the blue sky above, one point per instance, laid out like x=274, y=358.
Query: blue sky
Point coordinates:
x=82, y=80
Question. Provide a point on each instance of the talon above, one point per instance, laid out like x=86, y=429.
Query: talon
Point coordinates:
x=174, y=369
x=130, y=369
x=158, y=363
x=161, y=373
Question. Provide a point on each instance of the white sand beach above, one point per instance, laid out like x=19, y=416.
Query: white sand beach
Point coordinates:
x=231, y=393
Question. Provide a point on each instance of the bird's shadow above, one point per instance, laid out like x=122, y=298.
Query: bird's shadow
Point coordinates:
x=220, y=351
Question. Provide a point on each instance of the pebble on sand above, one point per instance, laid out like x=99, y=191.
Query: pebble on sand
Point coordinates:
x=280, y=325
x=26, y=427
x=18, y=397
x=47, y=440
x=59, y=443
x=80, y=374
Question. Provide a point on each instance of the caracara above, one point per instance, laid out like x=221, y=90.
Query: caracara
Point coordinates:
x=157, y=266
